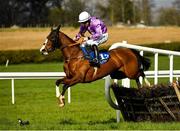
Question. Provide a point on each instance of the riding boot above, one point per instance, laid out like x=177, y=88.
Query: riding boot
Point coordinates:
x=96, y=53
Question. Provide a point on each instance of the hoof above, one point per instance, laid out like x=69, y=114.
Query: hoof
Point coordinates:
x=61, y=105
x=61, y=101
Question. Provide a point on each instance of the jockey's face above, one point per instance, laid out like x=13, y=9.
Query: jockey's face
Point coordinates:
x=86, y=24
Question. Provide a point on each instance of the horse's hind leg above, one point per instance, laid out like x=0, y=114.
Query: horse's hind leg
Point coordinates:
x=139, y=85
x=147, y=82
x=145, y=79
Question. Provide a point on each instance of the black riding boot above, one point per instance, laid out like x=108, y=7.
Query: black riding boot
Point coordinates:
x=96, y=53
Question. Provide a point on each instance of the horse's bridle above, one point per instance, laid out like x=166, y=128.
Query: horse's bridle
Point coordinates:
x=56, y=44
x=55, y=41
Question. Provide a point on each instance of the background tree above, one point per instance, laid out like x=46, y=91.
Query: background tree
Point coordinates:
x=169, y=16
x=66, y=13
x=127, y=10
x=23, y=12
x=146, y=11
x=176, y=5
x=56, y=13
x=36, y=12
x=56, y=16
x=8, y=11
x=72, y=8
x=42, y=12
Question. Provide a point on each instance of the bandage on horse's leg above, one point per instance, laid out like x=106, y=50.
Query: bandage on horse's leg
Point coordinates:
x=62, y=98
x=58, y=94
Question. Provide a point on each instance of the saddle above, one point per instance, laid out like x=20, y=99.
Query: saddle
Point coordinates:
x=103, y=55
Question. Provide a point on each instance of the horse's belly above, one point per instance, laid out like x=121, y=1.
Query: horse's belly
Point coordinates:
x=127, y=61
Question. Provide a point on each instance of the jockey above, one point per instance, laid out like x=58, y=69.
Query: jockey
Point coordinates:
x=98, y=31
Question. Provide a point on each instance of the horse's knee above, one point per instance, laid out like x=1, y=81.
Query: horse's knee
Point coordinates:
x=58, y=82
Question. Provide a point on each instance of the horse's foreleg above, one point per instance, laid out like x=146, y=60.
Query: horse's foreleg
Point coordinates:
x=61, y=97
x=58, y=94
x=58, y=82
x=68, y=83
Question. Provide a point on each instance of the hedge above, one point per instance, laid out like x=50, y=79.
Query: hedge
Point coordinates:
x=29, y=56
x=175, y=46
x=34, y=56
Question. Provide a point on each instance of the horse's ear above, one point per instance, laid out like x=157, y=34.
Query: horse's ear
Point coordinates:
x=56, y=28
x=59, y=26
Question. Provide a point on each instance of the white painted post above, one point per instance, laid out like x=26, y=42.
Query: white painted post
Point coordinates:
x=140, y=78
x=156, y=68
x=69, y=95
x=57, y=91
x=117, y=111
x=177, y=81
x=170, y=68
x=7, y=62
x=12, y=89
x=118, y=114
x=107, y=93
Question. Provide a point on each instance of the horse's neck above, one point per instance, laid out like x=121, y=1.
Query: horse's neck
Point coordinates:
x=68, y=50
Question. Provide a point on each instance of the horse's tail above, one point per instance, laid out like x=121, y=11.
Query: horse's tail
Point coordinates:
x=146, y=63
x=143, y=61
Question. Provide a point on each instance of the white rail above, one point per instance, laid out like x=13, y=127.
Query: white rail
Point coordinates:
x=142, y=48
x=32, y=75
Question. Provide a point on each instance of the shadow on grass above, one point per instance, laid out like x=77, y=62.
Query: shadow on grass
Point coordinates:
x=110, y=121
x=73, y=122
x=67, y=122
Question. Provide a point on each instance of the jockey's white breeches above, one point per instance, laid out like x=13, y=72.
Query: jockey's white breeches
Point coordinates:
x=97, y=42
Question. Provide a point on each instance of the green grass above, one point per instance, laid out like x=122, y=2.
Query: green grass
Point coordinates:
x=35, y=101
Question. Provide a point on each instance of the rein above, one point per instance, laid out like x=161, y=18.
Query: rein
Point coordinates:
x=65, y=46
x=70, y=58
x=71, y=45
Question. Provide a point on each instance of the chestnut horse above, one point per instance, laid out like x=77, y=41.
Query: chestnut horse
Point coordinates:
x=123, y=63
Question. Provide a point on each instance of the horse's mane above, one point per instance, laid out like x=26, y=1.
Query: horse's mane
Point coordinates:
x=70, y=39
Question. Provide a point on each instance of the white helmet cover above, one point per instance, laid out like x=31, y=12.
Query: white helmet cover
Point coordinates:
x=84, y=16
